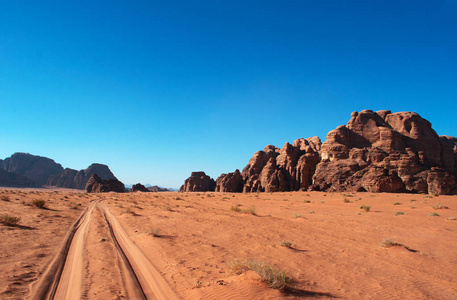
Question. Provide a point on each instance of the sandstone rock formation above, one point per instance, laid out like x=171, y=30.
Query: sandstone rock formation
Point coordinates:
x=138, y=188
x=231, y=182
x=96, y=185
x=156, y=188
x=36, y=168
x=386, y=152
x=375, y=151
x=73, y=179
x=198, y=182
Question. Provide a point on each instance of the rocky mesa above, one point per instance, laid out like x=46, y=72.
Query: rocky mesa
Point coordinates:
x=375, y=152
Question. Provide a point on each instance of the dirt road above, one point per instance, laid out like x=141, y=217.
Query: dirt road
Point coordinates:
x=97, y=243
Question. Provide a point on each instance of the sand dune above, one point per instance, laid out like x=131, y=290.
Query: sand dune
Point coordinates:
x=324, y=241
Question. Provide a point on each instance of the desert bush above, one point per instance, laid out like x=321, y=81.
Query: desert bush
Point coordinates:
x=130, y=211
x=439, y=206
x=397, y=203
x=399, y=213
x=155, y=232
x=297, y=215
x=235, y=208
x=365, y=207
x=286, y=244
x=9, y=220
x=39, y=203
x=434, y=214
x=274, y=277
x=250, y=210
x=387, y=243
x=346, y=200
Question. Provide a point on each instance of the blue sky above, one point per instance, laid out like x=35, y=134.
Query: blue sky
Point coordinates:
x=158, y=89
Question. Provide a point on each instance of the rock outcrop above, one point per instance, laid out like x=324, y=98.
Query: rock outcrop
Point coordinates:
x=375, y=152
x=198, y=182
x=231, y=182
x=288, y=169
x=386, y=152
x=73, y=179
x=97, y=185
x=36, y=168
x=138, y=188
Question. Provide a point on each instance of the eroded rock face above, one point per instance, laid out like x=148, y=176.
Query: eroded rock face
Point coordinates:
x=198, y=182
x=230, y=183
x=70, y=178
x=386, y=152
x=96, y=185
x=36, y=168
x=138, y=188
x=288, y=169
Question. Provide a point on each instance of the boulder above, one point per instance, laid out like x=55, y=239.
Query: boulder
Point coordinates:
x=198, y=182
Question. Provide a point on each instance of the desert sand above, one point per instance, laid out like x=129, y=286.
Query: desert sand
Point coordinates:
x=182, y=245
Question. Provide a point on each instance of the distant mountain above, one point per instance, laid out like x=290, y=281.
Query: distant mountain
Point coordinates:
x=70, y=178
x=35, y=168
x=27, y=170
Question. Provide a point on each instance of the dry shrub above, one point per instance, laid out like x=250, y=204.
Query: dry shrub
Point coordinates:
x=9, y=220
x=439, y=206
x=274, y=277
x=39, y=203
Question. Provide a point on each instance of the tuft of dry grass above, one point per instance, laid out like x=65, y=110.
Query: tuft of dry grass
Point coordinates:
x=39, y=203
x=155, y=232
x=365, y=207
x=399, y=213
x=440, y=206
x=387, y=243
x=286, y=244
x=274, y=277
x=9, y=220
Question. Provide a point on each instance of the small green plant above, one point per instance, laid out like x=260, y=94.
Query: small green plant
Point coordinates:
x=365, y=207
x=434, y=214
x=275, y=278
x=9, y=220
x=399, y=213
x=286, y=244
x=39, y=203
x=439, y=206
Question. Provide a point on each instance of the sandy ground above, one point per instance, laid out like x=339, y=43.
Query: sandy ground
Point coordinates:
x=335, y=247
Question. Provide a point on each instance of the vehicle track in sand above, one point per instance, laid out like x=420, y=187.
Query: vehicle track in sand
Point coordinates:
x=68, y=276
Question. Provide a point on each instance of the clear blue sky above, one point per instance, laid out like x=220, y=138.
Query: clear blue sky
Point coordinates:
x=158, y=89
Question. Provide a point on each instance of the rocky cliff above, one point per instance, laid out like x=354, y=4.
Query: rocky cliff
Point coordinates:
x=27, y=170
x=375, y=151
x=36, y=168
x=70, y=178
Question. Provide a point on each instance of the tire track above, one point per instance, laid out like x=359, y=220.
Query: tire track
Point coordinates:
x=63, y=278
